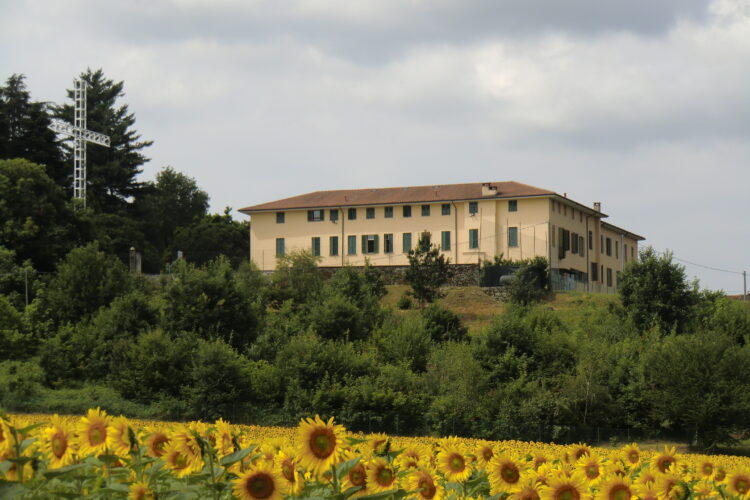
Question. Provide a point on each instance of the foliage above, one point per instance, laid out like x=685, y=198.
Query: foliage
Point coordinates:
x=428, y=271
x=404, y=302
x=297, y=279
x=212, y=236
x=443, y=324
x=655, y=290
x=530, y=283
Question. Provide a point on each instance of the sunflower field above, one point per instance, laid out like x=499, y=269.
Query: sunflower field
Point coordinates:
x=101, y=456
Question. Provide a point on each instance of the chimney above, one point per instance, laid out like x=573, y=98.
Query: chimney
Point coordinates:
x=598, y=206
x=488, y=189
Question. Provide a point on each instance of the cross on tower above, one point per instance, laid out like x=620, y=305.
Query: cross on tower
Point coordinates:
x=80, y=137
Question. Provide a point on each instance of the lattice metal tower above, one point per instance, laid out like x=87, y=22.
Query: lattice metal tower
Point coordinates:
x=80, y=137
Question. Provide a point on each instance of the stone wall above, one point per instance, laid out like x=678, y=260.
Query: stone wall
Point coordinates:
x=462, y=274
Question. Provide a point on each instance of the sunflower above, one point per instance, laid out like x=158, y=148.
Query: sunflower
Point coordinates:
x=261, y=482
x=485, y=452
x=357, y=478
x=92, y=432
x=412, y=458
x=7, y=441
x=666, y=460
x=543, y=473
x=646, y=491
x=453, y=462
x=670, y=487
x=706, y=469
x=140, y=491
x=704, y=489
x=539, y=459
x=56, y=442
x=578, y=450
x=647, y=475
x=426, y=484
x=320, y=443
x=720, y=475
x=504, y=474
x=631, y=455
x=564, y=488
x=288, y=468
x=616, y=488
x=118, y=437
x=377, y=444
x=380, y=476
x=179, y=461
x=590, y=466
x=155, y=443
x=739, y=483
x=529, y=489
x=224, y=442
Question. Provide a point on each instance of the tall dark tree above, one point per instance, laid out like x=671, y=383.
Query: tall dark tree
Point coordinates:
x=428, y=271
x=213, y=235
x=25, y=132
x=111, y=172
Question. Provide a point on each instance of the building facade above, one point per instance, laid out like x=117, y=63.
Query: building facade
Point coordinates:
x=469, y=222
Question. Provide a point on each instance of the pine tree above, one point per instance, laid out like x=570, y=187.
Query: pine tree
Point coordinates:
x=428, y=271
x=111, y=172
x=25, y=132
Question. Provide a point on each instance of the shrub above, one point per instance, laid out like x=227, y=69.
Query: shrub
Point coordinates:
x=443, y=324
x=404, y=302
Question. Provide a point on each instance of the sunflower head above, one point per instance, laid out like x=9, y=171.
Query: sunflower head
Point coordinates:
x=381, y=476
x=590, y=467
x=527, y=490
x=320, y=443
x=739, y=483
x=155, y=443
x=118, y=437
x=631, y=455
x=260, y=482
x=666, y=460
x=426, y=484
x=57, y=442
x=562, y=487
x=578, y=450
x=616, y=488
x=140, y=491
x=453, y=462
x=504, y=474
x=92, y=432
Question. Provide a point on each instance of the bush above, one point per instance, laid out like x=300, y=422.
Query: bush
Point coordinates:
x=19, y=381
x=443, y=324
x=404, y=302
x=530, y=282
x=403, y=341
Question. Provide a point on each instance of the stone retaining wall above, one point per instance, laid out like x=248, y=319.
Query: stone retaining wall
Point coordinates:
x=462, y=274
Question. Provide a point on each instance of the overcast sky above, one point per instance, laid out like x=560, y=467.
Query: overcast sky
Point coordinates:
x=643, y=105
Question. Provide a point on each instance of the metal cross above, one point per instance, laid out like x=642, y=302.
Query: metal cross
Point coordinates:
x=80, y=137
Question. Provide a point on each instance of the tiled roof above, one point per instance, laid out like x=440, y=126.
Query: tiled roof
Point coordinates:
x=396, y=195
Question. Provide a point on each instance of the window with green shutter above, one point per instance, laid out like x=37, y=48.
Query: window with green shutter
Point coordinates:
x=351, y=245
x=407, y=210
x=473, y=207
x=315, y=215
x=279, y=217
x=473, y=238
x=425, y=210
x=512, y=236
x=445, y=240
x=316, y=246
x=388, y=212
x=370, y=243
x=352, y=214
x=370, y=212
x=279, y=247
x=445, y=209
x=512, y=205
x=334, y=215
x=407, y=242
x=388, y=243
x=333, y=243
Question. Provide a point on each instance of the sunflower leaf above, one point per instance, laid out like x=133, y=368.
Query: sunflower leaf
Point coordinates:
x=236, y=456
x=354, y=441
x=344, y=468
x=25, y=430
x=26, y=443
x=351, y=491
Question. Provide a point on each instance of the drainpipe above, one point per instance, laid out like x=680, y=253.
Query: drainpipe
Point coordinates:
x=343, y=243
x=455, y=231
x=588, y=257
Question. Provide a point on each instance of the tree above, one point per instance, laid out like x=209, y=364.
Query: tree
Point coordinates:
x=653, y=289
x=428, y=271
x=174, y=201
x=25, y=132
x=111, y=172
x=213, y=235
x=529, y=283
x=37, y=222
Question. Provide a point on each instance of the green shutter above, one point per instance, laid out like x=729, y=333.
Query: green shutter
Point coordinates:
x=377, y=244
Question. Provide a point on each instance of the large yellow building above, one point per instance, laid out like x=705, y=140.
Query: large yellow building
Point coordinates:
x=470, y=222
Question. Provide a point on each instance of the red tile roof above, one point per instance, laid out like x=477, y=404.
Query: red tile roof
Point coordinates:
x=397, y=195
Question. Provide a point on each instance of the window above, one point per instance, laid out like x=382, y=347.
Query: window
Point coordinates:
x=601, y=243
x=426, y=235
x=445, y=240
x=407, y=242
x=388, y=243
x=513, y=206
x=617, y=249
x=425, y=210
x=601, y=272
x=625, y=251
x=351, y=245
x=334, y=215
x=591, y=240
x=314, y=215
x=473, y=238
x=581, y=247
x=594, y=271
x=445, y=209
x=574, y=243
x=370, y=213
x=370, y=243
x=279, y=217
x=553, y=236
x=388, y=212
x=609, y=276
x=279, y=247
x=512, y=236
x=333, y=244
x=473, y=207
x=316, y=246
x=352, y=214
x=407, y=210
x=609, y=247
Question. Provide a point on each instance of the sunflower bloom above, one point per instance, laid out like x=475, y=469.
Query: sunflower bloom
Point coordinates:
x=412, y=457
x=485, y=453
x=56, y=442
x=565, y=488
x=425, y=484
x=320, y=443
x=504, y=474
x=377, y=444
x=357, y=478
x=590, y=467
x=704, y=489
x=380, y=476
x=155, y=443
x=224, y=443
x=6, y=437
x=529, y=489
x=646, y=491
x=288, y=469
x=666, y=460
x=579, y=450
x=739, y=483
x=615, y=488
x=631, y=454
x=453, y=462
x=118, y=437
x=92, y=433
x=260, y=482
x=140, y=491
x=669, y=487
x=179, y=461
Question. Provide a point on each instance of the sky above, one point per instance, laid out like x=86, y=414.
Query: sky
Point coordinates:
x=643, y=105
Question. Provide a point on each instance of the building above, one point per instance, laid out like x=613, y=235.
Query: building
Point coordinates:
x=470, y=222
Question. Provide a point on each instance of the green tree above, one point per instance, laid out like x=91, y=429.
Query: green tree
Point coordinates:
x=111, y=172
x=25, y=132
x=530, y=282
x=654, y=289
x=37, y=221
x=428, y=271
x=213, y=235
x=297, y=278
